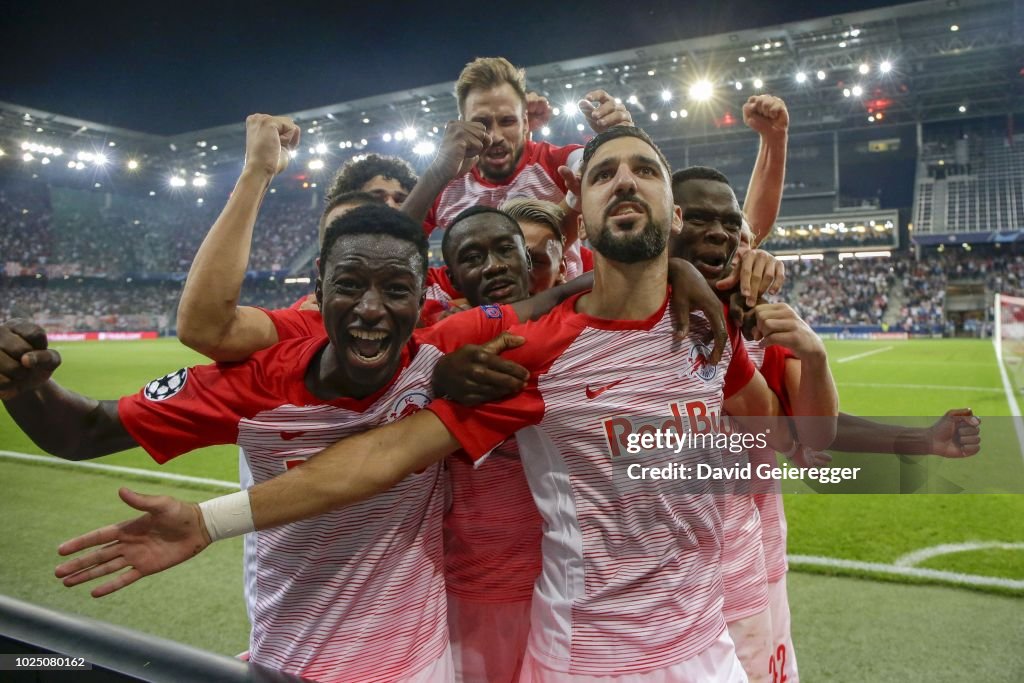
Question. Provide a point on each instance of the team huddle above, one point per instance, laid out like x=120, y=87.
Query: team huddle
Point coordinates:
x=434, y=460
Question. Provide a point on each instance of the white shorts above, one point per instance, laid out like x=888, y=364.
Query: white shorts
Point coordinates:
x=754, y=638
x=488, y=639
x=717, y=663
x=783, y=662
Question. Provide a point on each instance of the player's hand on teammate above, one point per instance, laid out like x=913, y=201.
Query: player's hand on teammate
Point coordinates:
x=169, y=533
x=758, y=273
x=602, y=111
x=25, y=360
x=808, y=457
x=461, y=146
x=476, y=374
x=766, y=114
x=310, y=304
x=268, y=139
x=690, y=292
x=538, y=111
x=779, y=324
x=957, y=434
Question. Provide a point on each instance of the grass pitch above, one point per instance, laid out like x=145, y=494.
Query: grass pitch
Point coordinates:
x=846, y=629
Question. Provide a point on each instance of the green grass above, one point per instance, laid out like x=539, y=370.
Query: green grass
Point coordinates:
x=847, y=629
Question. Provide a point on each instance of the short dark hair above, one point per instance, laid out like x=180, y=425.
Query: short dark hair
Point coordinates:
x=614, y=133
x=355, y=173
x=469, y=213
x=334, y=201
x=375, y=219
x=698, y=173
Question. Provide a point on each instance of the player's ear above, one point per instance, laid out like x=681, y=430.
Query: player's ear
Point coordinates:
x=581, y=229
x=451, y=277
x=319, y=290
x=677, y=219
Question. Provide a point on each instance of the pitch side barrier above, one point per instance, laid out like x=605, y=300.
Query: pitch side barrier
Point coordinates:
x=43, y=645
x=873, y=332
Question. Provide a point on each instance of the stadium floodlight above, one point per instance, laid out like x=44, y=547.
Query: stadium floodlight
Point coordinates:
x=654, y=116
x=366, y=120
x=674, y=114
x=45, y=160
x=321, y=148
x=292, y=153
x=871, y=118
x=132, y=164
x=856, y=91
x=177, y=181
x=27, y=156
x=99, y=159
x=410, y=133
x=741, y=59
x=111, y=144
x=556, y=111
x=568, y=86
x=386, y=137
x=199, y=200
x=666, y=95
x=846, y=92
x=683, y=113
x=962, y=109
x=399, y=135
x=863, y=69
x=25, y=146
x=71, y=164
x=885, y=67
x=571, y=109
x=214, y=148
x=79, y=165
x=580, y=127
x=758, y=84
x=854, y=32
x=954, y=28
x=316, y=164
x=545, y=131
x=821, y=75
x=801, y=77
x=85, y=156
x=651, y=72
x=424, y=148
x=199, y=181
x=702, y=90
x=364, y=142
x=632, y=99
x=738, y=85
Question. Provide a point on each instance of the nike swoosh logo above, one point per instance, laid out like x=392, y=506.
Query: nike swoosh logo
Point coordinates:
x=594, y=393
x=288, y=436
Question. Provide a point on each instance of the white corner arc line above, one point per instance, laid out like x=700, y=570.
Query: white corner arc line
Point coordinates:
x=918, y=556
x=117, y=469
x=847, y=359
x=954, y=578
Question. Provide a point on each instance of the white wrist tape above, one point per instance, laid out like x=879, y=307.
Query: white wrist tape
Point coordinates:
x=227, y=516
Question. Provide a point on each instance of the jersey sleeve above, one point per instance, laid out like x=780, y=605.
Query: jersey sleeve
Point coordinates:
x=188, y=409
x=481, y=429
x=774, y=370
x=741, y=368
x=292, y=323
x=475, y=326
x=430, y=221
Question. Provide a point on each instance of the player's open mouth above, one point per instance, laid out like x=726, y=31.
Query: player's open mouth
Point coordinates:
x=497, y=157
x=626, y=215
x=369, y=346
x=711, y=267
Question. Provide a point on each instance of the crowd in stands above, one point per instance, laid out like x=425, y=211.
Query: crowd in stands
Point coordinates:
x=66, y=256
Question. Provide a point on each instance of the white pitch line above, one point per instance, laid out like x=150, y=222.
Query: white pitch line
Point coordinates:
x=953, y=578
x=919, y=556
x=847, y=359
x=116, y=469
x=886, y=385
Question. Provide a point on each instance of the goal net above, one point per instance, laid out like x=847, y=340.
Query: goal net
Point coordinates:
x=1008, y=337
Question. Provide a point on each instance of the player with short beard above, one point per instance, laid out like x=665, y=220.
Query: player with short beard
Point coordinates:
x=647, y=604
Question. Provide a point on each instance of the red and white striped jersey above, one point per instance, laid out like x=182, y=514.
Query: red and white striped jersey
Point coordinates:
x=492, y=532
x=536, y=176
x=772, y=363
x=631, y=575
x=355, y=594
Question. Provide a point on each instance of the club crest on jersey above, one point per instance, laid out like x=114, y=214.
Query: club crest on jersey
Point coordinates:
x=492, y=311
x=699, y=363
x=167, y=386
x=408, y=404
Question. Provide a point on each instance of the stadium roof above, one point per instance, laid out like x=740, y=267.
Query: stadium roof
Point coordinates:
x=944, y=59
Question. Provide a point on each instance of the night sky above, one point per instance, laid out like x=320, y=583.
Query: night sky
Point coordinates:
x=184, y=66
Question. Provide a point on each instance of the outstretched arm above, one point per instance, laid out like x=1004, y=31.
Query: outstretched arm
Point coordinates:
x=61, y=422
x=209, y=317
x=462, y=144
x=956, y=434
x=171, y=531
x=768, y=116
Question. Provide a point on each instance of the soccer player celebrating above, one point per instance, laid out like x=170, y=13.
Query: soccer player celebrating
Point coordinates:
x=631, y=580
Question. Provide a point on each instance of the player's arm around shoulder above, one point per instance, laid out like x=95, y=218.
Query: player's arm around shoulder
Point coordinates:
x=61, y=422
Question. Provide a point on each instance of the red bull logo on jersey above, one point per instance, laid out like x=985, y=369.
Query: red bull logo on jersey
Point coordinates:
x=693, y=417
x=408, y=404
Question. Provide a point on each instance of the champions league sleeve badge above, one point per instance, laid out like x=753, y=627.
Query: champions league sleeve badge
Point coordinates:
x=167, y=386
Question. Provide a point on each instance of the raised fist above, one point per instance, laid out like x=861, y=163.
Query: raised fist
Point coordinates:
x=25, y=362
x=268, y=139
